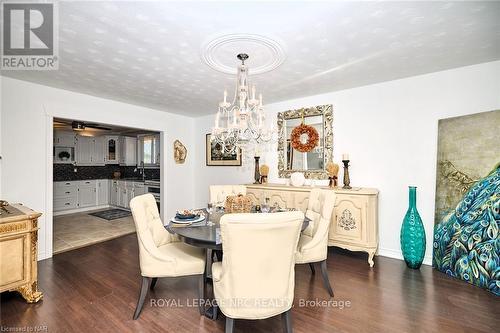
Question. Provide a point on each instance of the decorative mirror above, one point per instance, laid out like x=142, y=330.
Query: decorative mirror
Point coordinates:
x=305, y=142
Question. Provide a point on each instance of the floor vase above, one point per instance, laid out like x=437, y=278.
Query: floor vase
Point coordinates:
x=413, y=233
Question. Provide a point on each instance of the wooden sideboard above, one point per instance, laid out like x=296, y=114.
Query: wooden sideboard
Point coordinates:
x=18, y=251
x=354, y=223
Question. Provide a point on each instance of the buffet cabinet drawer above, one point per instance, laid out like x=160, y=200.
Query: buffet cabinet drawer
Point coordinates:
x=65, y=203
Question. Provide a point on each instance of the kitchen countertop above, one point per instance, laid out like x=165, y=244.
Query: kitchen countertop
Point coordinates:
x=131, y=179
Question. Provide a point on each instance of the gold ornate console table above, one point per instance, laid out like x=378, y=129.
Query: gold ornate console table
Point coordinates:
x=18, y=251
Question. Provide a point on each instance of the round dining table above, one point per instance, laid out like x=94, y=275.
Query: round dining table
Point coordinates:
x=206, y=234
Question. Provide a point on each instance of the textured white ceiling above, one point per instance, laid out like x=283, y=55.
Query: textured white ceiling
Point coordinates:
x=150, y=53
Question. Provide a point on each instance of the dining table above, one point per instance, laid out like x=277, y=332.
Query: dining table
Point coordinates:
x=206, y=234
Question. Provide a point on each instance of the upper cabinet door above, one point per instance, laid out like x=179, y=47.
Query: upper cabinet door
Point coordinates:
x=112, y=149
x=64, y=139
x=99, y=152
x=128, y=150
x=84, y=150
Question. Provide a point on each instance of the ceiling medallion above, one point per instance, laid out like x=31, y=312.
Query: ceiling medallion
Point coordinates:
x=271, y=50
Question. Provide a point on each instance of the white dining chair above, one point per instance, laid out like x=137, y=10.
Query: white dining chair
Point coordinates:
x=219, y=193
x=255, y=279
x=159, y=255
x=313, y=243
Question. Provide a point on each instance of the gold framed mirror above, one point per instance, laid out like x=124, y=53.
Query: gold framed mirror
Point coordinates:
x=311, y=163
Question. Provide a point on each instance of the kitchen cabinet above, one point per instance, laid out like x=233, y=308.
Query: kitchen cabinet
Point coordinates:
x=113, y=195
x=64, y=139
x=112, y=149
x=128, y=150
x=99, y=155
x=139, y=189
x=90, y=150
x=87, y=193
x=102, y=192
x=84, y=150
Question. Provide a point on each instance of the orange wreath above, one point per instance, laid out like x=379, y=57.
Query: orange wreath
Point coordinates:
x=312, y=138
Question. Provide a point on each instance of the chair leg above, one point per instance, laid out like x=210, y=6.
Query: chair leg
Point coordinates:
x=153, y=283
x=311, y=266
x=201, y=293
x=229, y=325
x=142, y=296
x=326, y=281
x=287, y=321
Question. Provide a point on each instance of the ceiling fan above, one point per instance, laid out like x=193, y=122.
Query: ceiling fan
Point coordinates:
x=79, y=126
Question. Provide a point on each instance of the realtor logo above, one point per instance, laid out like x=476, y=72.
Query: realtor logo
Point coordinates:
x=29, y=39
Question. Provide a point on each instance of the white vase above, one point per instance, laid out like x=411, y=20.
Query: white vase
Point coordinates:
x=297, y=179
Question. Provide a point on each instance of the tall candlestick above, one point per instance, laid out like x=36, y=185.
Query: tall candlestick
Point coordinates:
x=257, y=170
x=347, y=180
x=225, y=96
x=345, y=157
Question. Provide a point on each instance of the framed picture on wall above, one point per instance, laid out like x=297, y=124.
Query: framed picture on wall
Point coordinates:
x=215, y=156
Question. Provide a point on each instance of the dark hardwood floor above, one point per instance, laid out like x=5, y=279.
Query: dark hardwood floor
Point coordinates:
x=96, y=288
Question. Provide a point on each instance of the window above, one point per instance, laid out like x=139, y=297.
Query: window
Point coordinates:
x=149, y=149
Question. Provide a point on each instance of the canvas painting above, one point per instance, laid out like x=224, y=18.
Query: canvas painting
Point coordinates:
x=467, y=218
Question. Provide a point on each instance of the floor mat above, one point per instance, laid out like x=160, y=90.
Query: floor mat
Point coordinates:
x=112, y=214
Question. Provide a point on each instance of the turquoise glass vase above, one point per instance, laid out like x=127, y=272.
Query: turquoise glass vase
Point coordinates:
x=413, y=233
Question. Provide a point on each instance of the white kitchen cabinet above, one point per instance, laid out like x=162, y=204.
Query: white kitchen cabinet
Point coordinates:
x=99, y=156
x=87, y=196
x=128, y=150
x=113, y=194
x=112, y=149
x=64, y=139
x=102, y=192
x=84, y=150
x=139, y=189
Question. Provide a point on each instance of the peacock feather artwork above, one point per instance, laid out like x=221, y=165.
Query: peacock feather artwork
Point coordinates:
x=466, y=240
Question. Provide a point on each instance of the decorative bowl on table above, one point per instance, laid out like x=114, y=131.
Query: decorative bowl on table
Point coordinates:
x=186, y=214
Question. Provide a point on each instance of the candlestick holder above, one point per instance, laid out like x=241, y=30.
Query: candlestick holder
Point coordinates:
x=347, y=180
x=257, y=170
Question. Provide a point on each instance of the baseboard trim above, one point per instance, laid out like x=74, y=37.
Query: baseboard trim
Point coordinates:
x=80, y=210
x=389, y=253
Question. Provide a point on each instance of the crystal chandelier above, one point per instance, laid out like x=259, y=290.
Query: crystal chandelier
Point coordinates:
x=241, y=122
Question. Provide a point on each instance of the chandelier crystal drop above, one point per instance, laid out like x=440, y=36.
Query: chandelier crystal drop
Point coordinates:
x=242, y=122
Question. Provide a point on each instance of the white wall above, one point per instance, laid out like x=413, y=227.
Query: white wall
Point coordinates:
x=26, y=137
x=390, y=132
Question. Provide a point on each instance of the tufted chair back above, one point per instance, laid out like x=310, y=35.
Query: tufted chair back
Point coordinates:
x=219, y=193
x=319, y=210
x=151, y=233
x=258, y=264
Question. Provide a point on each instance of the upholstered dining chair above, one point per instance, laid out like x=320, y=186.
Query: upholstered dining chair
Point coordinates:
x=159, y=255
x=313, y=243
x=219, y=193
x=255, y=279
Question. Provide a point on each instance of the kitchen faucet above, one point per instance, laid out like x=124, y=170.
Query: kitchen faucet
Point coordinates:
x=142, y=171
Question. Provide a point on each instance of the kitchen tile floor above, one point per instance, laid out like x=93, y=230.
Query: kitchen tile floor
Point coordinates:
x=73, y=231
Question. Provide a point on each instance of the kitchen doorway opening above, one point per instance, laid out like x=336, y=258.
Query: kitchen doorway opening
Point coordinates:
x=96, y=170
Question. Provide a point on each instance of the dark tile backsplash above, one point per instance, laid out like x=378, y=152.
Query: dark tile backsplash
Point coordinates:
x=64, y=172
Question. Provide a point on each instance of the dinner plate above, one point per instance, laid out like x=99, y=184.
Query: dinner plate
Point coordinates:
x=187, y=221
